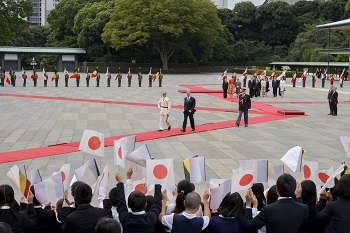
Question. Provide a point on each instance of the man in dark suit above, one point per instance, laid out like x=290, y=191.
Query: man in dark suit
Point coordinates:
x=286, y=215
x=189, y=105
x=251, y=86
x=329, y=95
x=85, y=217
x=225, y=87
x=334, y=101
x=275, y=86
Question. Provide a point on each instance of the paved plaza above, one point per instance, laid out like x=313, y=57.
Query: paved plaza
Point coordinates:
x=32, y=119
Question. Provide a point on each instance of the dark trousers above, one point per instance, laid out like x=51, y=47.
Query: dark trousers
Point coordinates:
x=245, y=117
x=119, y=82
x=87, y=82
x=78, y=81
x=13, y=82
x=160, y=82
x=334, y=108
x=97, y=82
x=251, y=92
x=313, y=83
x=108, y=82
x=140, y=80
x=66, y=82
x=186, y=115
x=149, y=82
x=323, y=81
x=2, y=82
x=225, y=93
x=45, y=83
x=56, y=82
x=304, y=82
x=24, y=82
x=341, y=85
x=274, y=91
x=35, y=80
x=294, y=83
x=129, y=82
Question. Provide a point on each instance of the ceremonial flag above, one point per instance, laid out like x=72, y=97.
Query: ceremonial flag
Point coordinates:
x=8, y=79
x=256, y=72
x=195, y=167
x=310, y=170
x=263, y=74
x=22, y=72
x=186, y=166
x=54, y=76
x=65, y=171
x=22, y=168
x=331, y=80
x=315, y=78
x=92, y=142
x=74, y=75
x=107, y=71
x=140, y=185
x=272, y=75
x=342, y=74
x=346, y=144
x=49, y=190
x=323, y=176
x=33, y=75
x=293, y=158
x=281, y=75
x=129, y=74
x=88, y=173
x=217, y=194
x=139, y=156
x=65, y=72
x=24, y=184
x=294, y=77
x=122, y=148
x=94, y=74
x=244, y=73
x=44, y=74
x=160, y=171
x=260, y=168
x=242, y=179
x=274, y=173
x=303, y=75
x=150, y=71
x=331, y=179
x=346, y=170
x=223, y=74
x=35, y=177
x=155, y=76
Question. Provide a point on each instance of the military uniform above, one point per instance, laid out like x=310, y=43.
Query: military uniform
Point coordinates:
x=56, y=80
x=87, y=79
x=98, y=76
x=35, y=78
x=13, y=79
x=160, y=78
x=139, y=77
x=24, y=79
x=66, y=78
x=164, y=104
x=129, y=77
x=243, y=106
x=304, y=81
x=150, y=77
x=119, y=77
x=78, y=80
x=2, y=77
x=45, y=79
x=109, y=79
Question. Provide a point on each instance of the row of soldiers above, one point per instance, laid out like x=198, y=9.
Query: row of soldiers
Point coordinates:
x=12, y=77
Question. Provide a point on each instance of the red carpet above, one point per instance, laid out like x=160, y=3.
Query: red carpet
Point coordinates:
x=269, y=113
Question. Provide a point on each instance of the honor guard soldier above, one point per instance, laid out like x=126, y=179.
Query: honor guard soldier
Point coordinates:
x=160, y=77
x=24, y=77
x=119, y=77
x=150, y=77
x=66, y=77
x=245, y=81
x=2, y=76
x=35, y=77
x=324, y=75
x=57, y=78
x=78, y=77
x=87, y=78
x=129, y=77
x=98, y=76
x=304, y=80
x=10, y=73
x=13, y=79
x=243, y=105
x=108, y=74
x=139, y=76
x=45, y=78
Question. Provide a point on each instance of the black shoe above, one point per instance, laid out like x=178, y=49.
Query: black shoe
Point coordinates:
x=160, y=130
x=246, y=126
x=334, y=114
x=183, y=130
x=193, y=129
x=169, y=128
x=330, y=114
x=237, y=124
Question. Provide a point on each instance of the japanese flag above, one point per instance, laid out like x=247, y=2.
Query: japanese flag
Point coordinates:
x=346, y=144
x=102, y=181
x=122, y=148
x=140, y=185
x=65, y=171
x=274, y=172
x=242, y=179
x=293, y=158
x=218, y=191
x=310, y=170
x=323, y=176
x=92, y=142
x=50, y=189
x=160, y=171
x=139, y=156
x=35, y=176
x=260, y=171
x=331, y=179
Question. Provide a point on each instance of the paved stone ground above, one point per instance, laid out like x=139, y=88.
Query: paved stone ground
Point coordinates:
x=29, y=123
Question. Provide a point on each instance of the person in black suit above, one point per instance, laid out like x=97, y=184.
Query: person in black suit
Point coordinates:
x=225, y=87
x=189, y=110
x=85, y=217
x=5, y=227
x=329, y=95
x=286, y=215
x=275, y=86
x=251, y=86
x=336, y=214
x=334, y=101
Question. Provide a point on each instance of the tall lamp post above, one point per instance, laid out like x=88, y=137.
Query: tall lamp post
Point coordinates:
x=33, y=63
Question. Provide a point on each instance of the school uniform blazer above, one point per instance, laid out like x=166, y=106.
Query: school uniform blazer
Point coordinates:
x=283, y=216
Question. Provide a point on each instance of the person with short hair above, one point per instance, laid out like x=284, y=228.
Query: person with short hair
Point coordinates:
x=334, y=102
x=244, y=104
x=336, y=214
x=189, y=110
x=187, y=221
x=286, y=215
x=107, y=225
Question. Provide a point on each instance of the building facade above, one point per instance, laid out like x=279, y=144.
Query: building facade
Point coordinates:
x=41, y=9
x=221, y=4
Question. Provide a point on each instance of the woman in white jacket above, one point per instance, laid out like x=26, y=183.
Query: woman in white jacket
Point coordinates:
x=282, y=86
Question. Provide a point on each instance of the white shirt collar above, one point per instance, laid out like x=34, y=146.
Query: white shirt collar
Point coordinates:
x=283, y=198
x=138, y=213
x=5, y=207
x=189, y=216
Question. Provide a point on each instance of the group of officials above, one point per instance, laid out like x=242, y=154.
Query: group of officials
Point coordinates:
x=11, y=78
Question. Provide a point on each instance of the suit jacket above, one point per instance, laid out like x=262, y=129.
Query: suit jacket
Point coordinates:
x=283, y=216
x=189, y=105
x=336, y=215
x=313, y=225
x=19, y=220
x=334, y=97
x=84, y=218
x=224, y=85
x=46, y=219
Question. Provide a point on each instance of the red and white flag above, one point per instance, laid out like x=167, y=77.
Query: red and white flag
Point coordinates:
x=140, y=185
x=293, y=158
x=260, y=168
x=35, y=177
x=160, y=171
x=345, y=140
x=102, y=181
x=302, y=76
x=129, y=74
x=330, y=181
x=323, y=176
x=274, y=172
x=88, y=173
x=218, y=190
x=281, y=75
x=325, y=73
x=342, y=74
x=122, y=148
x=242, y=179
x=92, y=143
x=244, y=73
x=263, y=74
x=139, y=156
x=50, y=189
x=44, y=74
x=65, y=171
x=310, y=171
x=223, y=74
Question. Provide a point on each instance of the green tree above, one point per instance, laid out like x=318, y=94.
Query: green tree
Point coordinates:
x=88, y=26
x=35, y=36
x=245, y=24
x=166, y=25
x=223, y=47
x=12, y=13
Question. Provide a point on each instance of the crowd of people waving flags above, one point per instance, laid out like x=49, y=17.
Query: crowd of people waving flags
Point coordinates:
x=11, y=77
x=259, y=197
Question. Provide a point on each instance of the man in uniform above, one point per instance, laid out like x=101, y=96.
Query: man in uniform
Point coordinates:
x=119, y=77
x=329, y=95
x=164, y=104
x=160, y=77
x=56, y=79
x=24, y=78
x=98, y=76
x=245, y=81
x=2, y=76
x=139, y=76
x=243, y=105
x=78, y=78
x=87, y=78
x=13, y=78
x=150, y=77
x=10, y=73
x=35, y=79
x=129, y=77
x=108, y=77
x=324, y=78
x=45, y=78
x=66, y=77
x=304, y=80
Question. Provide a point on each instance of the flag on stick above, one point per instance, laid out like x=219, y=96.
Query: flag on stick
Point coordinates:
x=94, y=74
x=35, y=177
x=88, y=173
x=218, y=193
x=92, y=142
x=139, y=156
x=195, y=168
x=260, y=168
x=122, y=148
x=242, y=179
x=160, y=171
x=155, y=76
x=49, y=190
x=293, y=158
